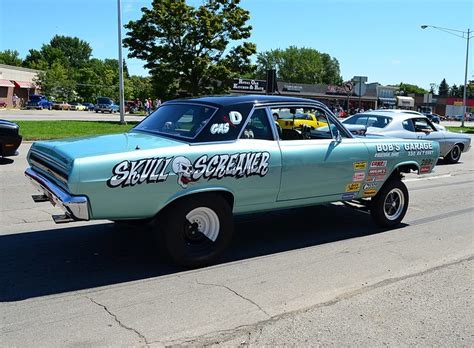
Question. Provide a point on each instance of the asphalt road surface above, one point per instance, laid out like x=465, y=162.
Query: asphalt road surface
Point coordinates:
x=323, y=275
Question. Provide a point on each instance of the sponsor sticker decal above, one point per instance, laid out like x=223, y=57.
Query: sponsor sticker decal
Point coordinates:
x=358, y=176
x=353, y=187
x=425, y=169
x=360, y=165
x=380, y=178
x=378, y=164
x=370, y=179
x=348, y=195
x=153, y=170
x=369, y=192
x=371, y=185
x=377, y=171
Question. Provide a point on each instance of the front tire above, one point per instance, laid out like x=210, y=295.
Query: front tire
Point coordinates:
x=389, y=206
x=197, y=229
x=454, y=155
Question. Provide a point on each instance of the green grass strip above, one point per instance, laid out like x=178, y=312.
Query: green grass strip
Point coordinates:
x=469, y=130
x=46, y=130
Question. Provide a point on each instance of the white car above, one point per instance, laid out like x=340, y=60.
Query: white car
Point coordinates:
x=408, y=124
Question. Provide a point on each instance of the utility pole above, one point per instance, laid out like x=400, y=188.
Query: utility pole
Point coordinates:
x=120, y=62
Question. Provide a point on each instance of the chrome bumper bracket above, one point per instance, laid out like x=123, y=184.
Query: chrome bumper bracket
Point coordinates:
x=74, y=207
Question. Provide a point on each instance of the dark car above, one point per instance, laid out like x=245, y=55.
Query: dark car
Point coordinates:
x=37, y=101
x=89, y=106
x=105, y=104
x=433, y=117
x=10, y=138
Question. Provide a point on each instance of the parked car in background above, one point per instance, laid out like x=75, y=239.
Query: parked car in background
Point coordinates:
x=433, y=117
x=76, y=106
x=38, y=101
x=105, y=104
x=61, y=105
x=291, y=118
x=186, y=169
x=131, y=106
x=412, y=125
x=89, y=106
x=3, y=104
x=10, y=138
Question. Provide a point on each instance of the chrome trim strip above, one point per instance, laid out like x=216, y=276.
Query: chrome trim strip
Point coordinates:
x=76, y=207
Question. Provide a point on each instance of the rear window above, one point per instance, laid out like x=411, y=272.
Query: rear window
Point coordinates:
x=177, y=120
x=369, y=120
x=35, y=98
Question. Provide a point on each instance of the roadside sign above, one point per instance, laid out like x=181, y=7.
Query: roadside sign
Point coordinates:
x=348, y=86
x=360, y=89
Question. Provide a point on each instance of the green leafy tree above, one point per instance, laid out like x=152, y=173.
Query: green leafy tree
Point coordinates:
x=71, y=52
x=10, y=57
x=187, y=48
x=406, y=88
x=300, y=65
x=57, y=83
x=455, y=91
x=443, y=89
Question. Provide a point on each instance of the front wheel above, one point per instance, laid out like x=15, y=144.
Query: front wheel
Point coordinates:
x=389, y=206
x=197, y=229
x=454, y=155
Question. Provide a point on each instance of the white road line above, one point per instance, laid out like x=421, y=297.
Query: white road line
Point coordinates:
x=429, y=178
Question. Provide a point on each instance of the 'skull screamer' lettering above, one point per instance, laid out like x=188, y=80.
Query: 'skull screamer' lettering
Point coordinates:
x=151, y=170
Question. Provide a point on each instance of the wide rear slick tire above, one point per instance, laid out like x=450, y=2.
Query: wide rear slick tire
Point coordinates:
x=197, y=229
x=389, y=206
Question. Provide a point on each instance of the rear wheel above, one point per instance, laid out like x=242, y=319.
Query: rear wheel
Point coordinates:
x=454, y=155
x=389, y=206
x=197, y=229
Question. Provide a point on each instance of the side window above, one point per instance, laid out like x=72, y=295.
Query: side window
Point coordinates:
x=300, y=123
x=423, y=125
x=408, y=125
x=258, y=127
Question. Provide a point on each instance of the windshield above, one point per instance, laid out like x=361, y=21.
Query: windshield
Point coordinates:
x=177, y=120
x=104, y=101
x=35, y=98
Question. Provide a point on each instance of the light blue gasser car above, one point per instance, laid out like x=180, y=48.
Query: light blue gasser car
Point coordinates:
x=192, y=164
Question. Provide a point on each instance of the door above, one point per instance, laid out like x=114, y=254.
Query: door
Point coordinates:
x=317, y=165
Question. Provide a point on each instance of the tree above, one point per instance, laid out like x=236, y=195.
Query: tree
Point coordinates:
x=56, y=82
x=455, y=91
x=301, y=65
x=443, y=89
x=406, y=88
x=71, y=52
x=187, y=48
x=10, y=57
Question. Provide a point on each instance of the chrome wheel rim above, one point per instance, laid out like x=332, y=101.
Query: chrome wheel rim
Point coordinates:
x=455, y=152
x=202, y=221
x=393, y=204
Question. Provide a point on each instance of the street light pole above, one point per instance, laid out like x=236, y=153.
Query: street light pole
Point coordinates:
x=120, y=63
x=464, y=35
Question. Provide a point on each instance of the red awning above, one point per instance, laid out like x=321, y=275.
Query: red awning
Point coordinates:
x=24, y=84
x=6, y=83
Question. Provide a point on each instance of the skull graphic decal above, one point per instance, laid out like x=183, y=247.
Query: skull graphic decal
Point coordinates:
x=183, y=168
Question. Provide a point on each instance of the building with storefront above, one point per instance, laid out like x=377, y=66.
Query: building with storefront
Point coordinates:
x=17, y=83
x=331, y=95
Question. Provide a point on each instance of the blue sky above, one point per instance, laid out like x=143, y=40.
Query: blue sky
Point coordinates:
x=379, y=39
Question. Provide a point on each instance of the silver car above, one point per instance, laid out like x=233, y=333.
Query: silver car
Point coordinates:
x=408, y=124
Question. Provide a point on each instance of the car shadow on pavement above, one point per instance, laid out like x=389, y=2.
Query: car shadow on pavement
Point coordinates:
x=4, y=161
x=82, y=257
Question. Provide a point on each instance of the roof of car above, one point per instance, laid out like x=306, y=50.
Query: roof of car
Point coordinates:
x=242, y=99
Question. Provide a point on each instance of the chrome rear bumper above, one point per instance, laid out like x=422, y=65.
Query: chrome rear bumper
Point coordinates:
x=75, y=207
